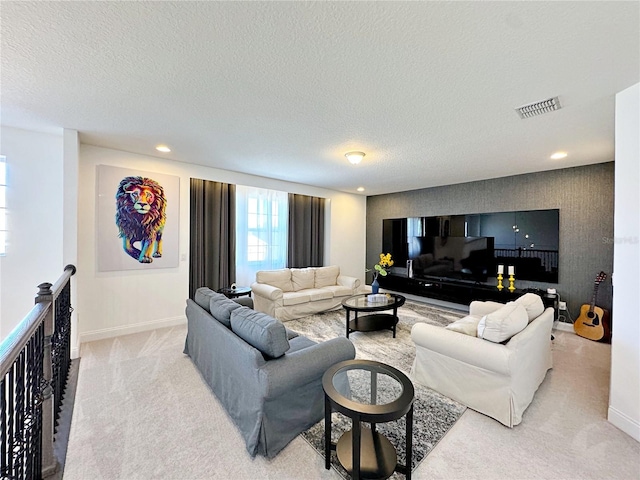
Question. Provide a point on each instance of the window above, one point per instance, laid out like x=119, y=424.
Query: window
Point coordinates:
x=3, y=205
x=261, y=226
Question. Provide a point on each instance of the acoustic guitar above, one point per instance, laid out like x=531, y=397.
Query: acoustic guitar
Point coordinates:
x=593, y=322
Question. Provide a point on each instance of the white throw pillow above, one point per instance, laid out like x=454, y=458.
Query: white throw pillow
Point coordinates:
x=302, y=278
x=276, y=278
x=327, y=276
x=467, y=325
x=532, y=303
x=504, y=323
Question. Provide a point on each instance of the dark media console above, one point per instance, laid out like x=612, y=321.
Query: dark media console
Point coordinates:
x=460, y=292
x=447, y=290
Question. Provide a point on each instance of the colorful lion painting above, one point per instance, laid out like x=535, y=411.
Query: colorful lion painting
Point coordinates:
x=140, y=217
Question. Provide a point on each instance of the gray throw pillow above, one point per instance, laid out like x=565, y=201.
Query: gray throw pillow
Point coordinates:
x=204, y=295
x=221, y=309
x=260, y=331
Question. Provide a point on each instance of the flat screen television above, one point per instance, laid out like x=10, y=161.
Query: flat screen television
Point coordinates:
x=461, y=258
x=441, y=256
x=469, y=247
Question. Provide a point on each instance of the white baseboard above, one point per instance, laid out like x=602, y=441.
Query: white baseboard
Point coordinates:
x=625, y=423
x=564, y=326
x=129, y=329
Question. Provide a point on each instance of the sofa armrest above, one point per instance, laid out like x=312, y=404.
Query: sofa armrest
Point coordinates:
x=345, y=281
x=483, y=308
x=303, y=366
x=533, y=344
x=267, y=291
x=475, y=351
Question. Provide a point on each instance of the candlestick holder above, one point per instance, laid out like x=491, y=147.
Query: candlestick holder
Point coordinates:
x=512, y=279
x=500, y=286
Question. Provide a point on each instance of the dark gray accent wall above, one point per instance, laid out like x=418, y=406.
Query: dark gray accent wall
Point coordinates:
x=584, y=196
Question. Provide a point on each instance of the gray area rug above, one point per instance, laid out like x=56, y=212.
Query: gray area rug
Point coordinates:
x=434, y=414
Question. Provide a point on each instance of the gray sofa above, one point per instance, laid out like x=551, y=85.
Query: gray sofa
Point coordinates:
x=268, y=378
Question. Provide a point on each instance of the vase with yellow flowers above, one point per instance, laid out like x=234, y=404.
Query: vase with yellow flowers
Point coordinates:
x=380, y=268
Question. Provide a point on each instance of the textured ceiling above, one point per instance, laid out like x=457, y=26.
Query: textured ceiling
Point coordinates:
x=284, y=89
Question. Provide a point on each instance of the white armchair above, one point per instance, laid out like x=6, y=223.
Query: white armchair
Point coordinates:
x=496, y=379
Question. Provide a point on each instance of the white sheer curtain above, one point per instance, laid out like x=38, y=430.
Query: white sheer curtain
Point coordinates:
x=261, y=232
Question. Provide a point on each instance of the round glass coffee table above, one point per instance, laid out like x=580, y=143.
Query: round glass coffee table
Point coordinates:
x=373, y=321
x=372, y=392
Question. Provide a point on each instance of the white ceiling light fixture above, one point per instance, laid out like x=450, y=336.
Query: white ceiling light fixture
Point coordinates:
x=354, y=157
x=559, y=155
x=360, y=189
x=163, y=149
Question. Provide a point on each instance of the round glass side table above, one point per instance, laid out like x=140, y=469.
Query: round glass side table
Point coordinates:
x=369, y=392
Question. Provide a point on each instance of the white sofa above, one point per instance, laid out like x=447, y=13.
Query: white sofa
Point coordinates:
x=292, y=293
x=496, y=379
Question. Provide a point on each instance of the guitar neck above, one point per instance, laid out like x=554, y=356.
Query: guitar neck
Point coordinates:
x=593, y=298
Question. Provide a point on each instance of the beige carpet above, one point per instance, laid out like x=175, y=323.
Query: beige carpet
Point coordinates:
x=143, y=412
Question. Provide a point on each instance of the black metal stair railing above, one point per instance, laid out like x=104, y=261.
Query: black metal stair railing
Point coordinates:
x=34, y=362
x=61, y=347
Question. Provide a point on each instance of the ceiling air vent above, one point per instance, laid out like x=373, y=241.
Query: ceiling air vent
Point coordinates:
x=538, y=108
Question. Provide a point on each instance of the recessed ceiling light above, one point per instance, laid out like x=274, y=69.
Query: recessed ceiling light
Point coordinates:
x=354, y=157
x=163, y=149
x=360, y=189
x=558, y=155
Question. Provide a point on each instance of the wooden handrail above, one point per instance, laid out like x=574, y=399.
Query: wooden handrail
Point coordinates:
x=69, y=271
x=19, y=336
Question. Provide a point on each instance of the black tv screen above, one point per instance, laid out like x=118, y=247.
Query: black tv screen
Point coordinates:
x=471, y=246
x=462, y=258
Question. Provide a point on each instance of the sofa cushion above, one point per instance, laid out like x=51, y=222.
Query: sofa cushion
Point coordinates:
x=291, y=333
x=532, y=303
x=221, y=309
x=504, y=323
x=326, y=276
x=295, y=298
x=260, y=331
x=300, y=343
x=316, y=294
x=276, y=278
x=302, y=278
x=204, y=295
x=339, y=290
x=467, y=325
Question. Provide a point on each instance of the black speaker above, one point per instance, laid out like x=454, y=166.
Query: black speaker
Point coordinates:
x=551, y=300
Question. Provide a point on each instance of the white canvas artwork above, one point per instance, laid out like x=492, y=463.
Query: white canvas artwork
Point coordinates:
x=138, y=219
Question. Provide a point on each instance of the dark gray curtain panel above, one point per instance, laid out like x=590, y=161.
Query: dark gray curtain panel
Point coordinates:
x=306, y=231
x=212, y=261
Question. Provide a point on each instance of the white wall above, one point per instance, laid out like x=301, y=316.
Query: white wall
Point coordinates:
x=624, y=397
x=35, y=210
x=70, y=222
x=115, y=303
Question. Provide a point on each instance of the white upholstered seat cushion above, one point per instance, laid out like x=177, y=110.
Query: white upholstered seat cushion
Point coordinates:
x=295, y=298
x=319, y=294
x=339, y=290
